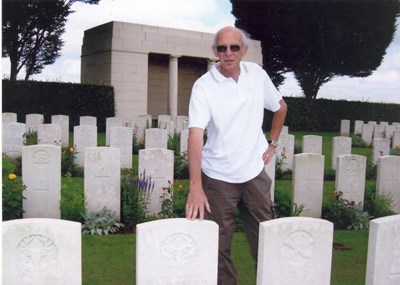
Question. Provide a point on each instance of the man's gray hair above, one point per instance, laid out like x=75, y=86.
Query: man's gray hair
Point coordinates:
x=244, y=37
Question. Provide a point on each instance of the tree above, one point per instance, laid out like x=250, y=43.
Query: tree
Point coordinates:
x=32, y=31
x=318, y=40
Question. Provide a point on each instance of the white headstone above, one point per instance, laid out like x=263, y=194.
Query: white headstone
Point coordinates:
x=344, y=128
x=308, y=183
x=110, y=123
x=156, y=138
x=159, y=165
x=270, y=168
x=49, y=134
x=383, y=260
x=358, y=127
x=181, y=123
x=285, y=151
x=381, y=148
x=389, y=130
x=350, y=177
x=312, y=144
x=84, y=136
x=177, y=251
x=396, y=138
x=184, y=141
x=121, y=137
x=165, y=122
x=13, y=138
x=388, y=179
x=340, y=146
x=139, y=125
x=379, y=131
x=367, y=132
x=33, y=121
x=88, y=120
x=295, y=250
x=63, y=122
x=41, y=174
x=102, y=179
x=42, y=251
x=372, y=122
x=9, y=117
x=285, y=130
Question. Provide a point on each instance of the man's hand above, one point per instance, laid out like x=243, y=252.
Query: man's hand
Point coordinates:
x=196, y=202
x=268, y=154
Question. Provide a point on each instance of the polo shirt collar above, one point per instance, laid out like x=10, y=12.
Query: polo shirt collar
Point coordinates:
x=218, y=75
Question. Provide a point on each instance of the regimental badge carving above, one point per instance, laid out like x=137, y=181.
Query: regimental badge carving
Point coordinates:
x=352, y=165
x=37, y=260
x=298, y=248
x=41, y=158
x=179, y=250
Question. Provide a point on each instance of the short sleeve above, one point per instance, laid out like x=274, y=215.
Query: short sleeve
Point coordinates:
x=199, y=112
x=272, y=95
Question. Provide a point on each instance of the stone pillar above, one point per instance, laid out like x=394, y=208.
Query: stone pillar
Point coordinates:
x=173, y=86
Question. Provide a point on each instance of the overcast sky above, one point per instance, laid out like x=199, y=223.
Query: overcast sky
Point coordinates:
x=206, y=16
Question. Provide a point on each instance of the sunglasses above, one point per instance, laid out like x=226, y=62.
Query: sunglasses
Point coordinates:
x=233, y=48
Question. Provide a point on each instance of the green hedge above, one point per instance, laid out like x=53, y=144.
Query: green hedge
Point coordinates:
x=57, y=98
x=325, y=115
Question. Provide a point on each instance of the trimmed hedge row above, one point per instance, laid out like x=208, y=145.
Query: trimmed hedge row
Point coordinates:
x=325, y=115
x=58, y=98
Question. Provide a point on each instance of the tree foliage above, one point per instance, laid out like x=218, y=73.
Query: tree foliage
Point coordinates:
x=32, y=31
x=318, y=40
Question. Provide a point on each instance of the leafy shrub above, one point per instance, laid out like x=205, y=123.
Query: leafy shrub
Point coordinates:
x=12, y=191
x=378, y=205
x=283, y=204
x=357, y=141
x=72, y=202
x=68, y=166
x=167, y=206
x=31, y=138
x=329, y=175
x=181, y=168
x=102, y=222
x=174, y=143
x=281, y=174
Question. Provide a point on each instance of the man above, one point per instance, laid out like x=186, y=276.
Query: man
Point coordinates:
x=228, y=172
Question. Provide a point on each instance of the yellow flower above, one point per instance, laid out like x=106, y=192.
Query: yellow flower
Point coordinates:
x=12, y=176
x=71, y=150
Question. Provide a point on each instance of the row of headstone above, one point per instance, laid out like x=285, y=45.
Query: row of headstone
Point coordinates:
x=293, y=250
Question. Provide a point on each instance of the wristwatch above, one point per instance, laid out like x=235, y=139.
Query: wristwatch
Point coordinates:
x=273, y=143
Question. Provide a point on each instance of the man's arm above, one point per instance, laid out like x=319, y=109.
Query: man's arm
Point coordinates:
x=197, y=200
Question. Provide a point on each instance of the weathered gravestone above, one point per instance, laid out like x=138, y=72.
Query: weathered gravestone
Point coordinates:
x=344, y=128
x=308, y=183
x=158, y=164
x=177, y=251
x=139, y=125
x=84, y=136
x=13, y=138
x=121, y=137
x=350, y=177
x=396, y=138
x=270, y=169
x=110, y=123
x=381, y=147
x=165, y=122
x=358, y=127
x=184, y=141
x=340, y=146
x=383, y=261
x=49, y=134
x=181, y=123
x=379, y=131
x=32, y=122
x=285, y=151
x=156, y=138
x=388, y=179
x=9, y=117
x=312, y=144
x=42, y=251
x=366, y=134
x=41, y=174
x=295, y=250
x=102, y=179
x=63, y=122
x=87, y=120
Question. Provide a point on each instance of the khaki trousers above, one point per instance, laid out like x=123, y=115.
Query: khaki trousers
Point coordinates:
x=253, y=200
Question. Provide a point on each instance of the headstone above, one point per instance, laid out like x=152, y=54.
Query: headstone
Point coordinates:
x=312, y=144
x=159, y=165
x=372, y=122
x=102, y=179
x=84, y=136
x=42, y=251
x=165, y=122
x=367, y=132
x=49, y=134
x=344, y=128
x=32, y=122
x=350, y=177
x=285, y=130
x=383, y=260
x=270, y=169
x=177, y=251
x=63, y=122
x=383, y=123
x=13, y=138
x=358, y=127
x=308, y=183
x=381, y=148
x=88, y=120
x=388, y=179
x=396, y=139
x=285, y=151
x=139, y=125
x=149, y=119
x=379, y=131
x=181, y=123
x=389, y=130
x=41, y=174
x=110, y=123
x=340, y=146
x=156, y=138
x=184, y=141
x=9, y=117
x=121, y=137
x=295, y=250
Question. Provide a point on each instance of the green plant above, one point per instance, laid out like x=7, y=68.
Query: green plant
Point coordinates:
x=181, y=169
x=135, y=193
x=167, y=206
x=102, y=222
x=68, y=166
x=345, y=214
x=280, y=173
x=174, y=142
x=357, y=141
x=72, y=201
x=297, y=210
x=283, y=205
x=378, y=205
x=31, y=138
x=12, y=191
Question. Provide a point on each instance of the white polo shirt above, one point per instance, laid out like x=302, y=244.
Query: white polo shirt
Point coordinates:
x=233, y=114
